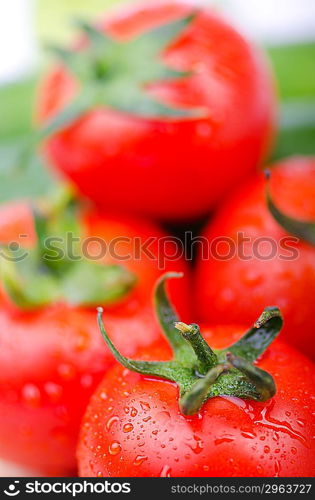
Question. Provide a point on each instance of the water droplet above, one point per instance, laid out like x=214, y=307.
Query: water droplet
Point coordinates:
x=222, y=440
x=82, y=341
x=266, y=449
x=259, y=469
x=66, y=371
x=103, y=395
x=99, y=474
x=111, y=421
x=163, y=417
x=252, y=278
x=54, y=391
x=86, y=381
x=293, y=450
x=140, y=459
x=248, y=434
x=277, y=468
x=114, y=448
x=271, y=423
x=204, y=130
x=146, y=419
x=197, y=445
x=133, y=412
x=166, y=471
x=145, y=406
x=31, y=394
x=128, y=427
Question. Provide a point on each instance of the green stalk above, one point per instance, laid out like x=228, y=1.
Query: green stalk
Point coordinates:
x=200, y=372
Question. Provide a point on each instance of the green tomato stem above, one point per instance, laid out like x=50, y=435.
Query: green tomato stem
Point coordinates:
x=200, y=372
x=206, y=357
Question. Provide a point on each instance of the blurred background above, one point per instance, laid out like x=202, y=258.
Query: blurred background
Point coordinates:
x=286, y=28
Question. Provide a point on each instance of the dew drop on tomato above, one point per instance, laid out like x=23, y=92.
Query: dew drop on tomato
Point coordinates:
x=139, y=460
x=114, y=448
x=166, y=471
x=128, y=427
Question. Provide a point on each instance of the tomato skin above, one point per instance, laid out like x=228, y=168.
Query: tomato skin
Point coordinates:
x=231, y=82
x=53, y=358
x=238, y=289
x=133, y=426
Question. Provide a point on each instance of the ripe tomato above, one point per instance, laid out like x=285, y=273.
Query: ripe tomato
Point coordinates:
x=133, y=425
x=265, y=264
x=117, y=149
x=52, y=357
x=140, y=425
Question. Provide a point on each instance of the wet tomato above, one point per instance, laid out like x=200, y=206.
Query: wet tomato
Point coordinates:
x=154, y=136
x=51, y=354
x=260, y=262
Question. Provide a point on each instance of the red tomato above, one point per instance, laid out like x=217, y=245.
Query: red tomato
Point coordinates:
x=278, y=271
x=133, y=426
x=52, y=358
x=166, y=167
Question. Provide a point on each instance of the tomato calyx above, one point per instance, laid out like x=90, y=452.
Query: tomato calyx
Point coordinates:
x=114, y=74
x=302, y=229
x=55, y=269
x=200, y=372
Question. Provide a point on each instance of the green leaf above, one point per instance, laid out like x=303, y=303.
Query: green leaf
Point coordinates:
x=262, y=380
x=158, y=369
x=83, y=103
x=88, y=283
x=95, y=35
x=28, y=286
x=28, y=180
x=131, y=99
x=16, y=106
x=295, y=76
x=254, y=343
x=114, y=75
x=158, y=39
x=168, y=318
x=295, y=70
x=56, y=269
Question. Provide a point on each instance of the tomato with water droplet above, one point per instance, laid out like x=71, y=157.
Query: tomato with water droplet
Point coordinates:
x=223, y=85
x=229, y=437
x=263, y=262
x=53, y=357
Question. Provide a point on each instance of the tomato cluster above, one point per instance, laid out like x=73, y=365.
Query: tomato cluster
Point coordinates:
x=156, y=115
